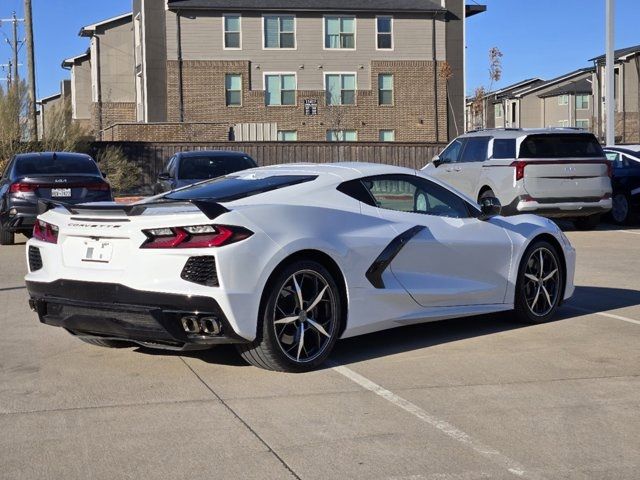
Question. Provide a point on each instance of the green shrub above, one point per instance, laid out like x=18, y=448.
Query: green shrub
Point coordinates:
x=123, y=175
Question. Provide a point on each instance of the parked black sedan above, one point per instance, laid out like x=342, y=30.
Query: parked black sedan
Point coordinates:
x=186, y=168
x=626, y=182
x=29, y=177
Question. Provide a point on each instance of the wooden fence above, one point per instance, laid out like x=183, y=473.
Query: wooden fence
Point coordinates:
x=152, y=157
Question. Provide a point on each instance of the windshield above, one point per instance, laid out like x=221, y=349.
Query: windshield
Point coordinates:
x=56, y=165
x=227, y=189
x=561, y=146
x=204, y=167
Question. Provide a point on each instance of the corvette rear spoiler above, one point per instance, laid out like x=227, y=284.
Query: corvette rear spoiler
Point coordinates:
x=210, y=208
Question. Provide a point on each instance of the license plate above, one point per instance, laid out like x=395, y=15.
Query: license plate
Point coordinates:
x=99, y=251
x=60, y=192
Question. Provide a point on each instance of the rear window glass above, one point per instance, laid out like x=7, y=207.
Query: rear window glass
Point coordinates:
x=504, y=148
x=560, y=146
x=205, y=167
x=227, y=189
x=58, y=165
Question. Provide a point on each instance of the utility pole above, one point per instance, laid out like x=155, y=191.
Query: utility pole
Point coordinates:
x=32, y=114
x=16, y=74
x=610, y=95
x=14, y=44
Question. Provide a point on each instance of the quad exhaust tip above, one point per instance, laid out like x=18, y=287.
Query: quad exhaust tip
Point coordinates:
x=209, y=326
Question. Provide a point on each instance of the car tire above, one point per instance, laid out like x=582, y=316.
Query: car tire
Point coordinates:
x=587, y=223
x=286, y=330
x=7, y=237
x=539, y=290
x=105, y=343
x=620, y=213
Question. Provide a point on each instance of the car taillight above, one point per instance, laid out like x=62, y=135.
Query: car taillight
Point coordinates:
x=45, y=232
x=519, y=165
x=609, y=169
x=199, y=236
x=19, y=187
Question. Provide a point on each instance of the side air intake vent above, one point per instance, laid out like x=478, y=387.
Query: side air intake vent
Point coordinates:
x=35, y=260
x=201, y=270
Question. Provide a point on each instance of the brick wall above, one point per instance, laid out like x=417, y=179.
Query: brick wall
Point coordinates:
x=413, y=116
x=109, y=113
x=627, y=127
x=166, y=132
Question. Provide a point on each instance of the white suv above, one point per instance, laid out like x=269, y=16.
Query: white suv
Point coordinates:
x=550, y=172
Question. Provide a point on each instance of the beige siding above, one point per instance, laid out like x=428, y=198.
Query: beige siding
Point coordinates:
x=202, y=39
x=117, y=64
x=81, y=78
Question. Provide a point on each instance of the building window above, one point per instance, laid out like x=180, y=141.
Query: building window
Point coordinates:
x=582, y=124
x=340, y=32
x=385, y=89
x=233, y=87
x=563, y=100
x=384, y=33
x=499, y=112
x=563, y=123
x=279, y=31
x=387, y=135
x=582, y=102
x=340, y=88
x=232, y=32
x=287, y=136
x=280, y=89
x=342, y=135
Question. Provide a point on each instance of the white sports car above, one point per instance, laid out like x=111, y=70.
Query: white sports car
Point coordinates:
x=283, y=261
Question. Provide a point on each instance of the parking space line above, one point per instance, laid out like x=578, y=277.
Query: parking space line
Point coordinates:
x=445, y=427
x=603, y=314
x=8, y=289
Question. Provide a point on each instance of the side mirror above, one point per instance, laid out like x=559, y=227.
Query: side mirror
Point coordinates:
x=164, y=176
x=436, y=161
x=490, y=207
x=104, y=174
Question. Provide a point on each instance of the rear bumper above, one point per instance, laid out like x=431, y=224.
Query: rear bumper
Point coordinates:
x=558, y=208
x=19, y=216
x=113, y=311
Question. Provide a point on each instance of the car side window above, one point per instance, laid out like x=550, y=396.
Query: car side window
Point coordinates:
x=475, y=150
x=7, y=169
x=405, y=193
x=504, y=148
x=451, y=154
x=171, y=167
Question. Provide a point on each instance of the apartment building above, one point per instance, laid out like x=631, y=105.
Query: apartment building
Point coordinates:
x=626, y=92
x=490, y=113
x=81, y=90
x=366, y=70
x=111, y=60
x=49, y=106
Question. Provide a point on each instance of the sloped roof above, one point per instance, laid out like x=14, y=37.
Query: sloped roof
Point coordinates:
x=618, y=54
x=70, y=62
x=553, y=81
x=309, y=5
x=579, y=86
x=89, y=30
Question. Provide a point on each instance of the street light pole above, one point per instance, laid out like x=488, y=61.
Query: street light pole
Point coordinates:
x=610, y=96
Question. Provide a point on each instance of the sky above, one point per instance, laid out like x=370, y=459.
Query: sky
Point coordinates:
x=543, y=38
x=538, y=38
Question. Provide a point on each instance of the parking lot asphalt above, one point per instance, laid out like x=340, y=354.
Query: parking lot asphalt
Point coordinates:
x=474, y=398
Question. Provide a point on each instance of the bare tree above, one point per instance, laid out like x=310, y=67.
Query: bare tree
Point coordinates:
x=446, y=73
x=478, y=99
